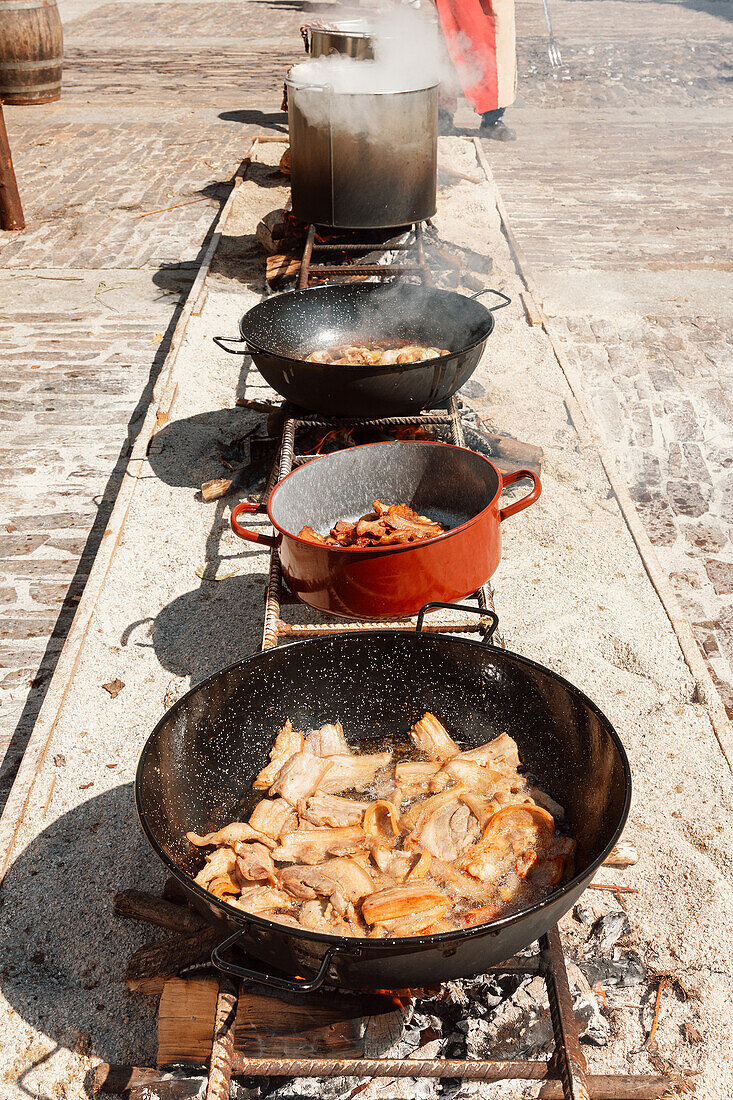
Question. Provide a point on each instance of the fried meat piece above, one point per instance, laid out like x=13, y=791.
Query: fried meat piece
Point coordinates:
x=310, y=535
x=262, y=900
x=508, y=836
x=254, y=863
x=434, y=740
x=396, y=902
x=301, y=776
x=413, y=820
x=341, y=876
x=237, y=832
x=416, y=778
x=460, y=886
x=331, y=809
x=401, y=518
x=419, y=924
x=472, y=775
x=271, y=816
x=319, y=915
x=502, y=753
x=329, y=740
x=313, y=845
x=287, y=743
x=446, y=833
x=220, y=863
x=351, y=773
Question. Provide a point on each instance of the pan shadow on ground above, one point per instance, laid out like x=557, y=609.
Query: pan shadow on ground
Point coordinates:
x=63, y=951
x=217, y=622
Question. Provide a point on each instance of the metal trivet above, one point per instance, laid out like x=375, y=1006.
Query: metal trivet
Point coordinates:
x=275, y=627
x=309, y=270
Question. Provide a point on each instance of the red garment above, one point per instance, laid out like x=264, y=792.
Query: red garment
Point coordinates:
x=480, y=39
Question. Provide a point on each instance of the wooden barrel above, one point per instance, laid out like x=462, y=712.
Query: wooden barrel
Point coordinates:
x=31, y=51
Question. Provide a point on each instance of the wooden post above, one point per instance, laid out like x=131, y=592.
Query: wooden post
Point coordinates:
x=11, y=212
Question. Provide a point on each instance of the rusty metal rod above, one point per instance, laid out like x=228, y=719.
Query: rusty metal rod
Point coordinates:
x=353, y=247
x=315, y=630
x=306, y=259
x=568, y=1058
x=220, y=1063
x=390, y=1067
x=348, y=270
x=602, y=1086
x=306, y=421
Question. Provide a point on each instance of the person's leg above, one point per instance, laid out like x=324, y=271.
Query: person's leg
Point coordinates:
x=493, y=126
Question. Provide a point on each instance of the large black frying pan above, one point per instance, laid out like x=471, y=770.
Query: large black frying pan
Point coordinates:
x=281, y=331
x=197, y=768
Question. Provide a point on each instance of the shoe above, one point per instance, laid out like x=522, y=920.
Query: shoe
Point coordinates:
x=497, y=131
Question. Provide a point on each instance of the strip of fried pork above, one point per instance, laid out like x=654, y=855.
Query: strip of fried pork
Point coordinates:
x=329, y=740
x=396, y=902
x=340, y=876
x=416, y=777
x=332, y=809
x=313, y=845
x=351, y=773
x=222, y=862
x=301, y=776
x=433, y=738
x=262, y=899
x=287, y=743
x=319, y=915
x=502, y=753
x=254, y=863
x=271, y=817
x=237, y=832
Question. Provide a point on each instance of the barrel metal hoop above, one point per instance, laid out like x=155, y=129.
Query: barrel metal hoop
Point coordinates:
x=21, y=5
x=14, y=66
x=28, y=89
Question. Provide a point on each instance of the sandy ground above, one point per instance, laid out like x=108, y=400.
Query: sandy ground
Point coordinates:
x=571, y=592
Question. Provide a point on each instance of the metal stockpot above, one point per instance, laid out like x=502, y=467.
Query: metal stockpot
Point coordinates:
x=340, y=38
x=362, y=160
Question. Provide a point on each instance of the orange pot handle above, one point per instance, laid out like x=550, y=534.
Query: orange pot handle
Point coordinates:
x=250, y=536
x=523, y=502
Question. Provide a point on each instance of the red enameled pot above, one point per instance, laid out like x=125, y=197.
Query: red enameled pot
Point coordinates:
x=457, y=487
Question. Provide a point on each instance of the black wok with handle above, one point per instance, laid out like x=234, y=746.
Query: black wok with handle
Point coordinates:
x=196, y=771
x=280, y=332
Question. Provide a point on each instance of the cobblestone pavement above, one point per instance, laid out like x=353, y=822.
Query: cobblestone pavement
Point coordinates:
x=89, y=293
x=617, y=189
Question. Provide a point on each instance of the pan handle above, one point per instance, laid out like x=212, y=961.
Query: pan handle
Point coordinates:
x=222, y=341
x=505, y=301
x=482, y=611
x=250, y=536
x=298, y=985
x=523, y=502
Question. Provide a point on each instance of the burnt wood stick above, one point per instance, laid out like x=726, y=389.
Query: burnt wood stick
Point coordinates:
x=173, y=891
x=11, y=211
x=614, y=1086
x=154, y=962
x=165, y=914
x=144, y=1081
x=624, y=854
x=219, y=486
